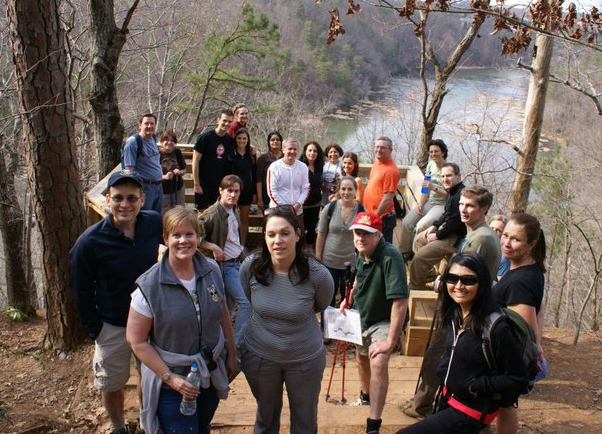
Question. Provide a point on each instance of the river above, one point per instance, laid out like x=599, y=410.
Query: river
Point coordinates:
x=480, y=119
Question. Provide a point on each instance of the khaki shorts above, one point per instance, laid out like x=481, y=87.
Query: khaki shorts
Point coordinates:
x=112, y=356
x=378, y=331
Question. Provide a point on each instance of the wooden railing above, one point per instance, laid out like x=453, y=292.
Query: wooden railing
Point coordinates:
x=409, y=186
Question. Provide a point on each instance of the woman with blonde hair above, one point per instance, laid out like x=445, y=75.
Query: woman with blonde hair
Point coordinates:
x=178, y=315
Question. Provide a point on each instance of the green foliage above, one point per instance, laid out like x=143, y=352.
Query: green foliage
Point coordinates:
x=15, y=315
x=228, y=55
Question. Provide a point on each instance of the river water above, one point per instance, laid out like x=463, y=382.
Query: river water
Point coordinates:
x=480, y=119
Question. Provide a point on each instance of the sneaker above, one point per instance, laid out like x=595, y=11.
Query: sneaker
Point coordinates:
x=408, y=409
x=372, y=431
x=363, y=399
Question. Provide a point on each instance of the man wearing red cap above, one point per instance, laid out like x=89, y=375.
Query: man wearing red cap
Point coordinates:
x=381, y=296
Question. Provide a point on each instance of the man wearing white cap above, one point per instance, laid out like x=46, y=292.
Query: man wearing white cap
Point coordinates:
x=381, y=296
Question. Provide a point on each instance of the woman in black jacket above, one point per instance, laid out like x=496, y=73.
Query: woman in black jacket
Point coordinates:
x=472, y=393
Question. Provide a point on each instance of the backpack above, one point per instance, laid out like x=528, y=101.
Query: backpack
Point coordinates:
x=138, y=150
x=524, y=340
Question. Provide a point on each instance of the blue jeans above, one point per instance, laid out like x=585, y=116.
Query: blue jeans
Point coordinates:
x=174, y=422
x=235, y=293
x=153, y=197
x=389, y=223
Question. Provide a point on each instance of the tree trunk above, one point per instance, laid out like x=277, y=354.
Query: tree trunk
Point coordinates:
x=107, y=42
x=430, y=109
x=534, y=109
x=38, y=45
x=11, y=226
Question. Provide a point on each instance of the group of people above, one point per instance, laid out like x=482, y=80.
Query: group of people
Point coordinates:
x=208, y=301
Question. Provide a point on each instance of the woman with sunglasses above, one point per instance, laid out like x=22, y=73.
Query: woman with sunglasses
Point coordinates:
x=178, y=315
x=472, y=393
x=522, y=288
x=283, y=342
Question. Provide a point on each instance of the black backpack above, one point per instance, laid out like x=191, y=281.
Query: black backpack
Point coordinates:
x=138, y=150
x=524, y=340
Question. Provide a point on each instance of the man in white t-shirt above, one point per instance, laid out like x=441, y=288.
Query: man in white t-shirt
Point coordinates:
x=220, y=239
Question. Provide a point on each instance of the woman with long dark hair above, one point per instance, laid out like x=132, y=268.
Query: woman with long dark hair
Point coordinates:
x=241, y=162
x=522, y=288
x=273, y=153
x=332, y=172
x=351, y=167
x=313, y=157
x=283, y=342
x=472, y=393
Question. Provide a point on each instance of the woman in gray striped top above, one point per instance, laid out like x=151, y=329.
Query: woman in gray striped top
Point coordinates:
x=283, y=341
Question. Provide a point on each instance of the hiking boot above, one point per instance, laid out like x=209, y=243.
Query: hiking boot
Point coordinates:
x=363, y=399
x=119, y=431
x=408, y=409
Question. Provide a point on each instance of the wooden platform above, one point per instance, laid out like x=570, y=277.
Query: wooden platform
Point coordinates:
x=239, y=409
x=422, y=308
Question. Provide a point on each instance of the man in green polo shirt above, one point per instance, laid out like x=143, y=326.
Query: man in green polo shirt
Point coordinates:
x=381, y=296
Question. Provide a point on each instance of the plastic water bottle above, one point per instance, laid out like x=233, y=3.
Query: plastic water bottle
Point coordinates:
x=188, y=406
x=427, y=178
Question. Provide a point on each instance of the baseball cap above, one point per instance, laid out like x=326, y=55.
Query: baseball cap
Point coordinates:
x=120, y=175
x=367, y=221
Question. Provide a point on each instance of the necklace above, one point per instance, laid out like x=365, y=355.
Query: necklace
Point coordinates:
x=346, y=211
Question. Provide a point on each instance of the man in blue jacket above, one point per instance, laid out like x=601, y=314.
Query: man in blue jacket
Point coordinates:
x=106, y=260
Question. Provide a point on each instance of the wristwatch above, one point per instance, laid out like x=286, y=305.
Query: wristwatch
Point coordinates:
x=166, y=376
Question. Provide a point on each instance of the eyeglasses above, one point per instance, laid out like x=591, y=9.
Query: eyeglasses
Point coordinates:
x=467, y=279
x=280, y=209
x=129, y=199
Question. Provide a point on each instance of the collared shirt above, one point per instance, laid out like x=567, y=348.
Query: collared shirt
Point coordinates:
x=380, y=281
x=232, y=247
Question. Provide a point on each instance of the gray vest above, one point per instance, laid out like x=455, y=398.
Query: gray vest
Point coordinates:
x=175, y=326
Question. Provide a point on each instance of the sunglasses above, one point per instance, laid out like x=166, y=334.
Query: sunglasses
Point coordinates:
x=130, y=199
x=467, y=279
x=280, y=209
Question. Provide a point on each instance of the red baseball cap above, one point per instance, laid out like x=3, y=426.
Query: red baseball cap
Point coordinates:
x=367, y=221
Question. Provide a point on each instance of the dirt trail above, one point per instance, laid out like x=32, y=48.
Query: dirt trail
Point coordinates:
x=53, y=393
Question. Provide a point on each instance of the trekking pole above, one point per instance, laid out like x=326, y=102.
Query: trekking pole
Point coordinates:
x=349, y=280
x=343, y=400
x=334, y=363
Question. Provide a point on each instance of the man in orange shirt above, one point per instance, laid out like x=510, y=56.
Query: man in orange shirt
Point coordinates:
x=382, y=185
